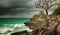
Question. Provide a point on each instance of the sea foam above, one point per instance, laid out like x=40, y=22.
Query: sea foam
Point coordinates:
x=11, y=28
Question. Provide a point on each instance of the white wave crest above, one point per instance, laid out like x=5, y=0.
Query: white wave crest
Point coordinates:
x=10, y=28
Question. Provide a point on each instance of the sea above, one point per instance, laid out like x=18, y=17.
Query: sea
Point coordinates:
x=12, y=25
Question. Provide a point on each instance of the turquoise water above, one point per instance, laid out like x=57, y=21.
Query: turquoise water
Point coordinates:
x=12, y=25
x=12, y=21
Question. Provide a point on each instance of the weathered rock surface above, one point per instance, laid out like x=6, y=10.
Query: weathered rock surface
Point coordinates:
x=37, y=32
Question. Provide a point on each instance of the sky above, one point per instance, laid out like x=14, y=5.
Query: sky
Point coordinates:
x=17, y=9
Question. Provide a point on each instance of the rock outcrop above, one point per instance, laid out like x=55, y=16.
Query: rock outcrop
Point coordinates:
x=53, y=27
x=43, y=25
x=20, y=33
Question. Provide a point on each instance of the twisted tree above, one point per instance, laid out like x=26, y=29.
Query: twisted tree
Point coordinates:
x=46, y=4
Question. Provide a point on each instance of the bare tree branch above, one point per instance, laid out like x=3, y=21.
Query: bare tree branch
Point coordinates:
x=38, y=5
x=52, y=5
x=45, y=4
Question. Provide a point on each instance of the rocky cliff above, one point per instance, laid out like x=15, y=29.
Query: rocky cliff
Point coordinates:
x=42, y=25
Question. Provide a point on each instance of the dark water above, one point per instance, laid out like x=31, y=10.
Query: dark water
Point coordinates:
x=12, y=21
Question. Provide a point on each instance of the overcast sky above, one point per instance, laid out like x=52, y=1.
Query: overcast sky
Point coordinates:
x=17, y=9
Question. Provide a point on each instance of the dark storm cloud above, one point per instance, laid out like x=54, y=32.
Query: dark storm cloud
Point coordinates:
x=17, y=8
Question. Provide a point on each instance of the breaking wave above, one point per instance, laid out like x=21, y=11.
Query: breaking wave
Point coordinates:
x=7, y=29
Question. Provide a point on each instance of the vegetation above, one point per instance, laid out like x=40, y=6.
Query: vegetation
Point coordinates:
x=38, y=16
x=57, y=11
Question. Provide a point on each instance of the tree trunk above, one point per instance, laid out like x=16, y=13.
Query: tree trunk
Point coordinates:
x=46, y=17
x=46, y=12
